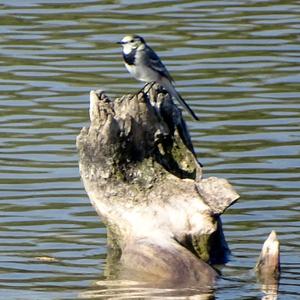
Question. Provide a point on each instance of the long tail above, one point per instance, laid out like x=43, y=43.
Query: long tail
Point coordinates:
x=172, y=91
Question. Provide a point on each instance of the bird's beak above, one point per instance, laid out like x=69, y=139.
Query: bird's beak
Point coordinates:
x=120, y=43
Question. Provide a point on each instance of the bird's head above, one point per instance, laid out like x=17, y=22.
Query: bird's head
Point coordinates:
x=132, y=42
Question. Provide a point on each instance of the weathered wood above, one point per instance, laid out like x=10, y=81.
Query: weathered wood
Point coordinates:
x=141, y=173
x=268, y=266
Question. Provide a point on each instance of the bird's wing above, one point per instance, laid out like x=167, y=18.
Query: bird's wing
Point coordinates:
x=172, y=91
x=155, y=63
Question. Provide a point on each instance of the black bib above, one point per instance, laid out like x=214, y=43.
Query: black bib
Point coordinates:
x=130, y=57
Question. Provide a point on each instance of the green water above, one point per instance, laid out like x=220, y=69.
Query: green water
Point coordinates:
x=236, y=63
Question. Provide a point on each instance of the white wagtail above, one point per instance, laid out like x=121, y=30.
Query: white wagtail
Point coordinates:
x=145, y=65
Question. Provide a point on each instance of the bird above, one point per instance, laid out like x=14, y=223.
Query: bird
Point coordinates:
x=145, y=65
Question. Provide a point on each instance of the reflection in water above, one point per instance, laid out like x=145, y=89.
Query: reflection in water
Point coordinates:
x=236, y=63
x=270, y=291
x=130, y=289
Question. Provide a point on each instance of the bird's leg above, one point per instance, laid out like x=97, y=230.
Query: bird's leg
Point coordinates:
x=151, y=85
x=140, y=91
x=143, y=89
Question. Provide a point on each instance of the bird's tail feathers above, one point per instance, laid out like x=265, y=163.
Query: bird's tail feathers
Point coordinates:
x=172, y=91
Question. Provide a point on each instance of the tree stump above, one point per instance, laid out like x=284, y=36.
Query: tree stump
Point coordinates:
x=141, y=174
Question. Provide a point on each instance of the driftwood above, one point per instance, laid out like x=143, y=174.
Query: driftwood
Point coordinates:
x=268, y=266
x=140, y=171
x=141, y=174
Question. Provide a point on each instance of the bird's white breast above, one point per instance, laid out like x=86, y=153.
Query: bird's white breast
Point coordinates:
x=140, y=70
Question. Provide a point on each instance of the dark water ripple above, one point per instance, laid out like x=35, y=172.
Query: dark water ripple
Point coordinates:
x=237, y=63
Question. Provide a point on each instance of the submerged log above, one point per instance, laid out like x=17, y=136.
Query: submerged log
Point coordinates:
x=141, y=174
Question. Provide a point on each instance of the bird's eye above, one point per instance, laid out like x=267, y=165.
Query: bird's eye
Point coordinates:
x=131, y=41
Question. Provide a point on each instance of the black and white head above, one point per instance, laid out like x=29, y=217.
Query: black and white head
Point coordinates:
x=132, y=43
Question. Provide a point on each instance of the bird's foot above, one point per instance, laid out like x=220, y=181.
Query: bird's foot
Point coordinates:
x=145, y=89
x=149, y=86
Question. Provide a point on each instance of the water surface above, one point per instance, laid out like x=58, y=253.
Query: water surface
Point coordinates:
x=236, y=63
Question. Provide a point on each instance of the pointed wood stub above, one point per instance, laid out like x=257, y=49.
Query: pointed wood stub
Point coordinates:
x=268, y=266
